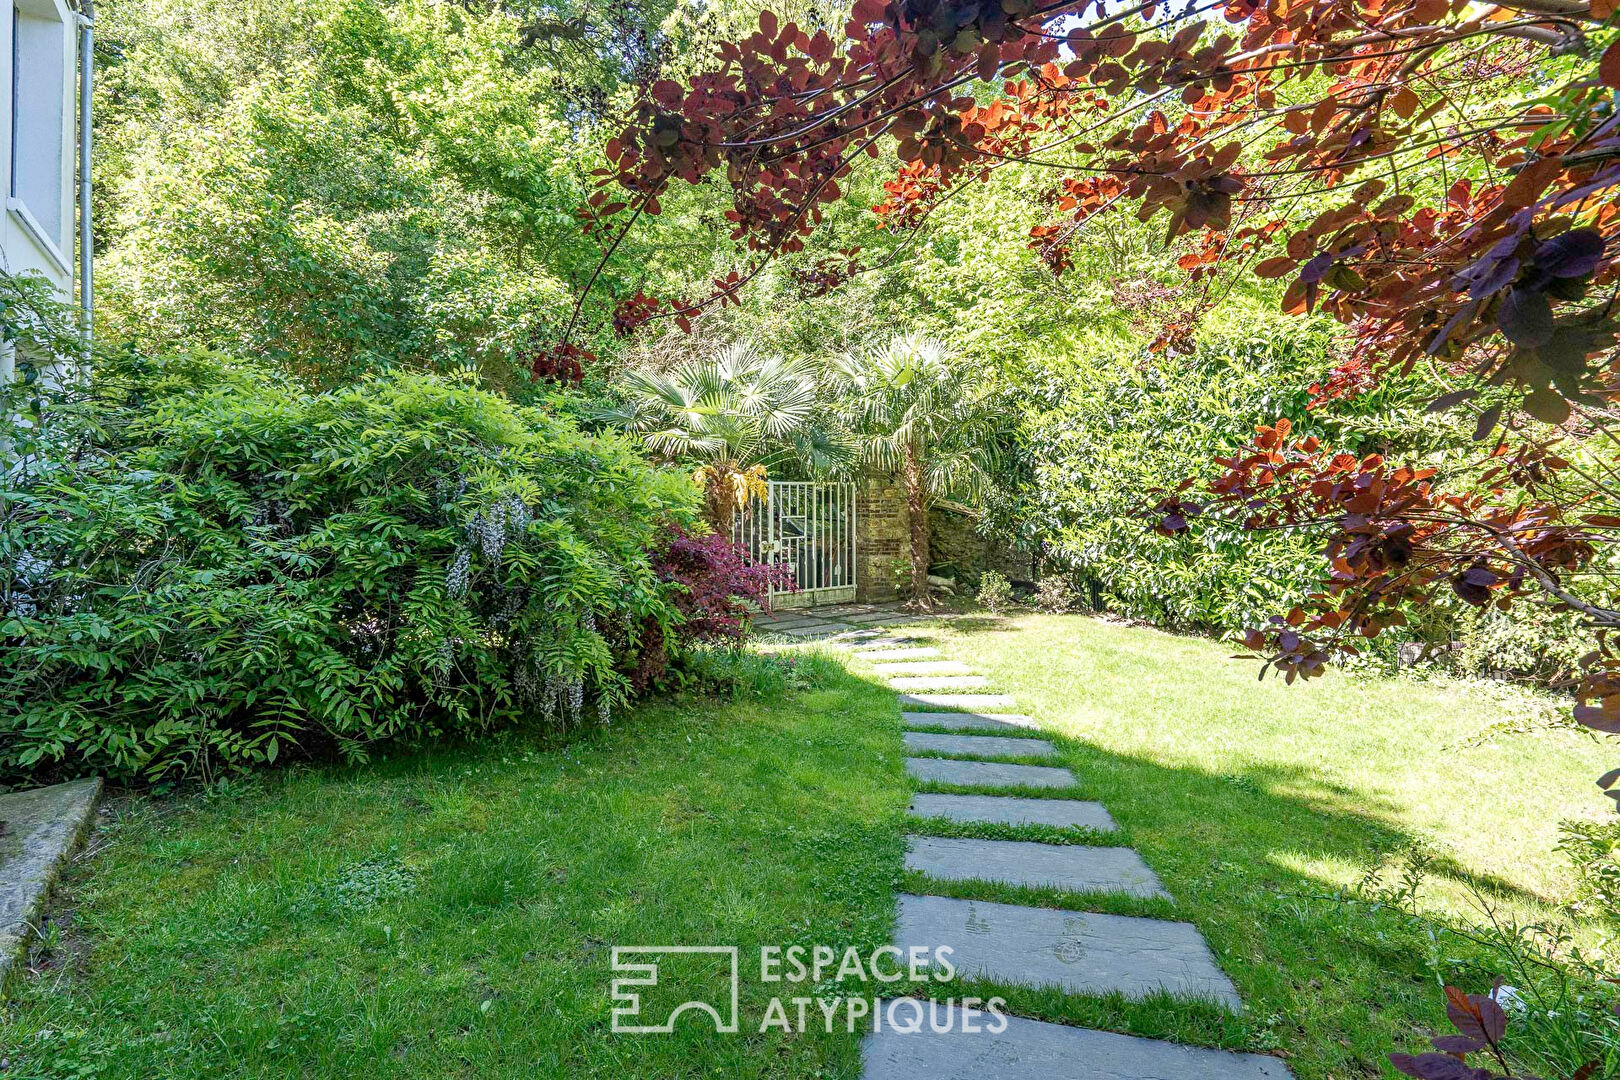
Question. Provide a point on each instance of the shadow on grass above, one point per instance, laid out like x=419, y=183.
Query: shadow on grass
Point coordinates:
x=1254, y=858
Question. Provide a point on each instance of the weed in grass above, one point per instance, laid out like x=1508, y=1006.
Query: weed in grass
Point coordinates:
x=360, y=886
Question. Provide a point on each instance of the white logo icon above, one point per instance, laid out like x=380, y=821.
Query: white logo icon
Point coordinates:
x=646, y=974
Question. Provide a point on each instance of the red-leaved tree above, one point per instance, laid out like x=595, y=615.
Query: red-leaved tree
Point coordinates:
x=1439, y=176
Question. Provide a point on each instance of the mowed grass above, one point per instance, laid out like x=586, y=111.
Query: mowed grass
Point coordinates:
x=1260, y=805
x=452, y=914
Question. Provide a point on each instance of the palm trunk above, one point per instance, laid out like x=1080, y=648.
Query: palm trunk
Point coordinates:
x=917, y=515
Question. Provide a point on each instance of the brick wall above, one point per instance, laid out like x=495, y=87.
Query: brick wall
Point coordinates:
x=882, y=535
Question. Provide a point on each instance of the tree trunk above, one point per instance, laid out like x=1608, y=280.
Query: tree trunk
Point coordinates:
x=917, y=517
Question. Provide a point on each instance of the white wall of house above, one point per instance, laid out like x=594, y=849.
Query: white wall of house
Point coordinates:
x=38, y=58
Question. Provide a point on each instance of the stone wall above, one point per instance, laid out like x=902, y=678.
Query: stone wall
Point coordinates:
x=958, y=551
x=882, y=535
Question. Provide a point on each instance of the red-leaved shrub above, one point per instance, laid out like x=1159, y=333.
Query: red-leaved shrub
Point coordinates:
x=718, y=585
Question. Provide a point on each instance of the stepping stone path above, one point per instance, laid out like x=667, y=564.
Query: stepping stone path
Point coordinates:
x=966, y=721
x=984, y=746
x=987, y=773
x=1072, y=867
x=974, y=703
x=940, y=682
x=1001, y=810
x=927, y=667
x=919, y=653
x=1078, y=952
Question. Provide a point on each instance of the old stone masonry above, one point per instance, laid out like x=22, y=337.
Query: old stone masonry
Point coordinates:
x=962, y=737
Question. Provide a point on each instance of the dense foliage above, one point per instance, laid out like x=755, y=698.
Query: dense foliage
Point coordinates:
x=207, y=566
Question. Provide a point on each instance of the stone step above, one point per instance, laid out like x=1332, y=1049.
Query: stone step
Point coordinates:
x=1003, y=810
x=973, y=703
x=925, y=667
x=875, y=638
x=1077, y=951
x=963, y=721
x=1033, y=1050
x=877, y=617
x=916, y=652
x=1069, y=867
x=940, y=682
x=979, y=746
x=812, y=630
x=988, y=773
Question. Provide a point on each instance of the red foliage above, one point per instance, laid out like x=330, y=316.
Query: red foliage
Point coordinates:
x=1220, y=119
x=562, y=362
x=717, y=586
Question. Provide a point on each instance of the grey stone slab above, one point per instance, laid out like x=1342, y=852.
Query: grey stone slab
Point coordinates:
x=967, y=721
x=1078, y=951
x=973, y=703
x=924, y=667
x=940, y=682
x=915, y=653
x=814, y=630
x=875, y=617
x=1005, y=810
x=989, y=773
x=1042, y=866
x=980, y=746
x=1033, y=1050
x=876, y=639
x=42, y=826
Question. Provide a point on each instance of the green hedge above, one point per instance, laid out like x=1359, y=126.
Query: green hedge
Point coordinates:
x=207, y=565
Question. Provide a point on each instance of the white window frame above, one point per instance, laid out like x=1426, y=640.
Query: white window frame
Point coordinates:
x=58, y=12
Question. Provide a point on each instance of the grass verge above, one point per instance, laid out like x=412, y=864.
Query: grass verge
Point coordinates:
x=453, y=913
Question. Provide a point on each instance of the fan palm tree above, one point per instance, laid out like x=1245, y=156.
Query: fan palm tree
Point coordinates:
x=911, y=411
x=737, y=414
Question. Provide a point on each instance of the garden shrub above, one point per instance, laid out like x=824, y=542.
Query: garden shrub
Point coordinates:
x=207, y=565
x=995, y=592
x=714, y=589
x=1055, y=595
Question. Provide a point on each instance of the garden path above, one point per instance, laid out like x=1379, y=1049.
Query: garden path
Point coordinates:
x=979, y=761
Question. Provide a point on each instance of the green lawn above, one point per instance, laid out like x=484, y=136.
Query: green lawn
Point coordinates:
x=452, y=914
x=1256, y=802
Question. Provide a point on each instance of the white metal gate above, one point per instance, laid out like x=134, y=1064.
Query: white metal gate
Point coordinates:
x=810, y=527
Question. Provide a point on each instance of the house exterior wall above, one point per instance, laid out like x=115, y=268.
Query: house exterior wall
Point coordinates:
x=38, y=55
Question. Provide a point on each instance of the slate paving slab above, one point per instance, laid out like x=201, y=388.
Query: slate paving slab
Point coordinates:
x=1033, y=1050
x=875, y=617
x=881, y=639
x=988, y=773
x=925, y=667
x=42, y=825
x=813, y=630
x=919, y=652
x=1005, y=810
x=1041, y=866
x=980, y=746
x=940, y=682
x=1078, y=951
x=972, y=703
x=966, y=721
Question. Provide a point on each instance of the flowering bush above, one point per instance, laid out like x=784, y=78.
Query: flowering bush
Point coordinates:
x=212, y=566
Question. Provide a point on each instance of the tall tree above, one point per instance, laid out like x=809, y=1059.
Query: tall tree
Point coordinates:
x=913, y=412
